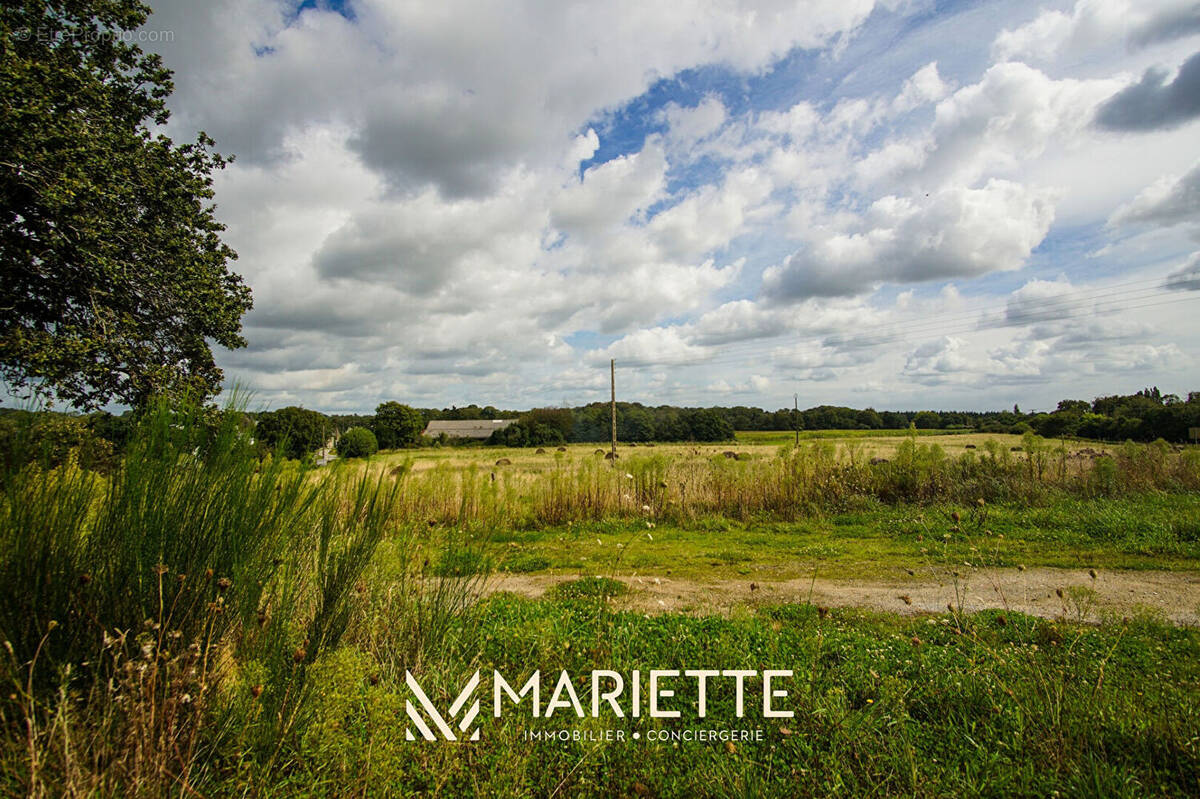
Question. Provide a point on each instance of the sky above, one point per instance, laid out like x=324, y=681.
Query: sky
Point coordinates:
x=896, y=204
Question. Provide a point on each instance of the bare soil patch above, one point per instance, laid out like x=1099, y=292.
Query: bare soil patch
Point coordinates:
x=1050, y=593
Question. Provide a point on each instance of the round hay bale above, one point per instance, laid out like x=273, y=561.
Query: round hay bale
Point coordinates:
x=609, y=456
x=562, y=449
x=730, y=454
x=504, y=462
x=598, y=452
x=970, y=446
x=540, y=451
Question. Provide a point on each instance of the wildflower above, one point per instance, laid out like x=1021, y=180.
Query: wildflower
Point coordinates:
x=906, y=599
x=645, y=508
x=915, y=641
x=1021, y=567
x=224, y=583
x=1092, y=573
x=84, y=579
x=51, y=625
x=256, y=690
x=628, y=476
x=161, y=569
x=208, y=574
x=186, y=699
x=299, y=655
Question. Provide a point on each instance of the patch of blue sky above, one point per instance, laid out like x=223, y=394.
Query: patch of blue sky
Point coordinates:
x=589, y=339
x=760, y=253
x=703, y=171
x=343, y=7
x=1078, y=253
x=875, y=61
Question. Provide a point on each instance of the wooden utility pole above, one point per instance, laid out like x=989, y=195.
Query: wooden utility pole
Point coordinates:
x=612, y=376
x=796, y=416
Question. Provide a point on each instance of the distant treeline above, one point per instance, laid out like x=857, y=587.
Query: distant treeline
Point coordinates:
x=1145, y=416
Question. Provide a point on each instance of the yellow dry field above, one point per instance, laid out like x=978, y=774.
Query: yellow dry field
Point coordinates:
x=750, y=446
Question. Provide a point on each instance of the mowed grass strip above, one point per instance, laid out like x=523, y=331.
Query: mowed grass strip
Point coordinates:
x=1154, y=531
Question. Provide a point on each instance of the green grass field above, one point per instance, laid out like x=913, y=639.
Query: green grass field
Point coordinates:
x=1153, y=532
x=943, y=705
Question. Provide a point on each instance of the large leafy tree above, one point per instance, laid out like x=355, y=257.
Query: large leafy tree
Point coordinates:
x=114, y=279
x=299, y=431
x=396, y=425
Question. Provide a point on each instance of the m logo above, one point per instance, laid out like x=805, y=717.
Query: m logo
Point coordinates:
x=439, y=722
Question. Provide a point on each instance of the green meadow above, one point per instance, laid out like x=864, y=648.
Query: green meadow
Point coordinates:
x=198, y=619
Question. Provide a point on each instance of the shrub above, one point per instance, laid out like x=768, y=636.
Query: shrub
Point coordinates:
x=525, y=433
x=52, y=439
x=357, y=442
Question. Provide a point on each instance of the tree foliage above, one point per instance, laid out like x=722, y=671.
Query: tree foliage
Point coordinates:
x=396, y=425
x=357, y=442
x=299, y=431
x=114, y=274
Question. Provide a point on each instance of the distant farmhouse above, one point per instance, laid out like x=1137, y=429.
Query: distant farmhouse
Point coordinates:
x=473, y=428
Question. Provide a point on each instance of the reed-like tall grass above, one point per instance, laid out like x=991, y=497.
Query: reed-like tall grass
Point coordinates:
x=151, y=589
x=797, y=482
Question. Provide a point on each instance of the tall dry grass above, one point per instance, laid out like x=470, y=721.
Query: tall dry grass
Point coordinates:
x=796, y=482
